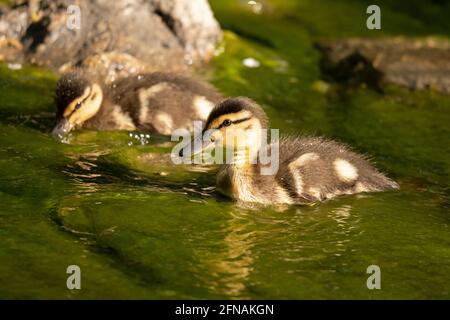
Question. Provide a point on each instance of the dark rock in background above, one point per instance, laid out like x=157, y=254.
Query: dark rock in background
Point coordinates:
x=412, y=63
x=116, y=38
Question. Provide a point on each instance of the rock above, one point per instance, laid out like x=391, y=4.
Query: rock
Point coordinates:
x=113, y=65
x=412, y=63
x=120, y=37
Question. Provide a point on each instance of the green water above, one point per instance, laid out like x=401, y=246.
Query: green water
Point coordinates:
x=140, y=227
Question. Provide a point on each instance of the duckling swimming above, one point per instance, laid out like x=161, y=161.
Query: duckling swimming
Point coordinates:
x=154, y=102
x=310, y=169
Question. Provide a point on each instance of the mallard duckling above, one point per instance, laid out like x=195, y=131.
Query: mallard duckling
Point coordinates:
x=310, y=169
x=154, y=102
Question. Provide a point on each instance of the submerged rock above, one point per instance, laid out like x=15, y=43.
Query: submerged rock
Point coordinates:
x=122, y=36
x=412, y=63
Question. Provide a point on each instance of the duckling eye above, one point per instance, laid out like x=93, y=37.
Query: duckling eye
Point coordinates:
x=78, y=106
x=226, y=122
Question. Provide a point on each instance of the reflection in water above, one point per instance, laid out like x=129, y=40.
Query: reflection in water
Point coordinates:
x=341, y=215
x=301, y=237
x=230, y=267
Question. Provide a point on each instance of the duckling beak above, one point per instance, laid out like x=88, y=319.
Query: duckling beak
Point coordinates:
x=195, y=146
x=62, y=128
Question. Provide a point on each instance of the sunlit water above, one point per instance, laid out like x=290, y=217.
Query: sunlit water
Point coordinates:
x=140, y=227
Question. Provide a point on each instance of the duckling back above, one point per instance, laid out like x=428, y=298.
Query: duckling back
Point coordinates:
x=162, y=102
x=315, y=169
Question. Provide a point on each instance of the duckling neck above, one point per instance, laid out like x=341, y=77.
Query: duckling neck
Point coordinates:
x=243, y=159
x=235, y=179
x=232, y=178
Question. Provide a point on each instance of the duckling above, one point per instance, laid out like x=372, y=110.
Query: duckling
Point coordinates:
x=153, y=102
x=310, y=169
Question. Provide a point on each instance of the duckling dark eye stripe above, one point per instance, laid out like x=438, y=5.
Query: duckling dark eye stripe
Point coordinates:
x=81, y=102
x=87, y=96
x=235, y=122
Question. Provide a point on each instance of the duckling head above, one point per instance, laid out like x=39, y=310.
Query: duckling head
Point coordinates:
x=235, y=124
x=77, y=100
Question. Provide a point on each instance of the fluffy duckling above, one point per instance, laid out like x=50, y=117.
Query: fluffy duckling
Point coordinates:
x=310, y=169
x=154, y=102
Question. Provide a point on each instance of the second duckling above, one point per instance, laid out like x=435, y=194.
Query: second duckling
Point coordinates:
x=310, y=169
x=154, y=102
